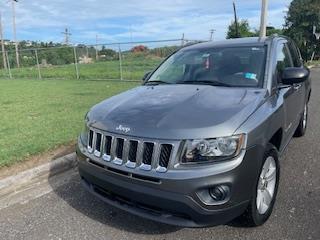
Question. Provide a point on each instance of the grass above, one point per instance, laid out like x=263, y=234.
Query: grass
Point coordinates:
x=39, y=115
x=132, y=68
x=316, y=62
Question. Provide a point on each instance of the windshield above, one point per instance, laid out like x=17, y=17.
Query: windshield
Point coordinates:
x=230, y=66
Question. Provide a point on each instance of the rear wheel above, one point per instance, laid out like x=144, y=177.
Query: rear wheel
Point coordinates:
x=302, y=127
x=264, y=195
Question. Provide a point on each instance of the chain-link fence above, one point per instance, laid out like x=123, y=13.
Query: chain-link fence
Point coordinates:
x=110, y=61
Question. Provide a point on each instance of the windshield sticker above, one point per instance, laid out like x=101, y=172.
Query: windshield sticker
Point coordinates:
x=250, y=76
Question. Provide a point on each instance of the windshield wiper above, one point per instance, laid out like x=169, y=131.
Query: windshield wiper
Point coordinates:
x=207, y=82
x=156, y=82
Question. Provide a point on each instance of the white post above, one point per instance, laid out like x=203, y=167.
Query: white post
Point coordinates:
x=38, y=65
x=15, y=31
x=2, y=45
x=76, y=62
x=8, y=65
x=97, y=54
x=120, y=63
x=263, y=20
x=182, y=40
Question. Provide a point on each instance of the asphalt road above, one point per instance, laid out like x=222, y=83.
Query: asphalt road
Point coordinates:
x=68, y=212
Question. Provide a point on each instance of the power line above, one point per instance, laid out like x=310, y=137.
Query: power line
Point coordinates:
x=67, y=35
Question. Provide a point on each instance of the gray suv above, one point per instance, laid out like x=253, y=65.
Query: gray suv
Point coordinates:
x=199, y=142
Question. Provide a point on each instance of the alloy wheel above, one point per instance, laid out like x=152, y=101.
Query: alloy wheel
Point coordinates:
x=266, y=185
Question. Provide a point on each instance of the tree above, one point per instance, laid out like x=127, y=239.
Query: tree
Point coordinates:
x=299, y=22
x=108, y=53
x=243, y=28
x=139, y=48
x=272, y=30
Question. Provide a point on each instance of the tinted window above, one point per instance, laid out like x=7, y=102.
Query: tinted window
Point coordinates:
x=295, y=55
x=283, y=60
x=231, y=66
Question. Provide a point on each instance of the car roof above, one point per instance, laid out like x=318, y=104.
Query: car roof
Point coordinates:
x=236, y=42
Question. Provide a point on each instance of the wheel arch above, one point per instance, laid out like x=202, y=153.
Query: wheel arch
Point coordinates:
x=276, y=139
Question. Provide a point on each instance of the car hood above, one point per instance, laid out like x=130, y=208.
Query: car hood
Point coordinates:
x=177, y=111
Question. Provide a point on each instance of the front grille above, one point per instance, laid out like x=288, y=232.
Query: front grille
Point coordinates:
x=98, y=139
x=108, y=141
x=119, y=150
x=90, y=141
x=147, y=153
x=165, y=154
x=130, y=152
x=133, y=148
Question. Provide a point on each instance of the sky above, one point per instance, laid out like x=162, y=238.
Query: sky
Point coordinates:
x=137, y=20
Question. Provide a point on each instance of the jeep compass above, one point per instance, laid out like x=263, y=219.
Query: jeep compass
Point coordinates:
x=199, y=142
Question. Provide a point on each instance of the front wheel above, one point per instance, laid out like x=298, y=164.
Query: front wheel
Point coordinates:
x=264, y=195
x=302, y=127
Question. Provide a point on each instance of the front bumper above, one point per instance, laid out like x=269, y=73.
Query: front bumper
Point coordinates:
x=172, y=198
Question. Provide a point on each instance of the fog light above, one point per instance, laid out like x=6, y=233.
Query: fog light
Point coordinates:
x=219, y=193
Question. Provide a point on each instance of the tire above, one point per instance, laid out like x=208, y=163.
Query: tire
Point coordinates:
x=257, y=215
x=302, y=127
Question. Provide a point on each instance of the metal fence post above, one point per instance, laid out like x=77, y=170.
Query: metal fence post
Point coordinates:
x=8, y=65
x=120, y=63
x=38, y=65
x=87, y=52
x=76, y=62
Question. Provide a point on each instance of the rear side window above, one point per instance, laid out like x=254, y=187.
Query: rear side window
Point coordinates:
x=295, y=55
x=283, y=60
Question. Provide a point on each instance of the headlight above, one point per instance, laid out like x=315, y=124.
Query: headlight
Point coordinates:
x=216, y=149
x=85, y=131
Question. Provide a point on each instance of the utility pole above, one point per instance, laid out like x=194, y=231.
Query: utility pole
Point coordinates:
x=263, y=21
x=67, y=35
x=236, y=20
x=211, y=34
x=15, y=31
x=2, y=45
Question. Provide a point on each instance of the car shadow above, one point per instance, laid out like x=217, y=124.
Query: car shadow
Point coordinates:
x=72, y=192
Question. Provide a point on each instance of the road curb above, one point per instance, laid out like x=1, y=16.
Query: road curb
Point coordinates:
x=14, y=183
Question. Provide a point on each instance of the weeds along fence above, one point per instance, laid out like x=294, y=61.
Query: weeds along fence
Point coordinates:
x=109, y=61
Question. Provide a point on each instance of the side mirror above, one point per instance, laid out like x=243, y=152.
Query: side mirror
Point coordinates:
x=146, y=76
x=294, y=75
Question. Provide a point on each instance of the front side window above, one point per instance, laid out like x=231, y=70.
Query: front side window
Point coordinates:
x=296, y=58
x=283, y=60
x=229, y=66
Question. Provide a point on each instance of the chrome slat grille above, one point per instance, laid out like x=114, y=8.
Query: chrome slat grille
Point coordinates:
x=130, y=152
